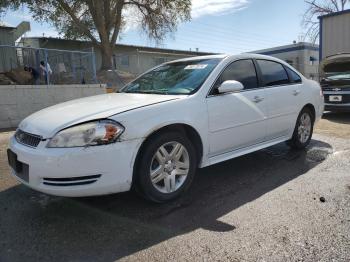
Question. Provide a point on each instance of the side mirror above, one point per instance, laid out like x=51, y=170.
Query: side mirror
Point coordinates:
x=230, y=86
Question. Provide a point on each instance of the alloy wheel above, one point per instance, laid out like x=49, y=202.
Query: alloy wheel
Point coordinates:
x=169, y=167
x=304, y=129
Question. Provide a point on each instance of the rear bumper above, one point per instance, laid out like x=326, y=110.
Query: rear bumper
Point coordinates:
x=77, y=172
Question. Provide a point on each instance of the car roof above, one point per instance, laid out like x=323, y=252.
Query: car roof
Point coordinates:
x=231, y=57
x=238, y=57
x=193, y=58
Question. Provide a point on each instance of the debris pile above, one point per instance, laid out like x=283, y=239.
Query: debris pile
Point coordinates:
x=15, y=77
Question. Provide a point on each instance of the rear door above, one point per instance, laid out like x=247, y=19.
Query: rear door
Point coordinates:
x=237, y=120
x=283, y=94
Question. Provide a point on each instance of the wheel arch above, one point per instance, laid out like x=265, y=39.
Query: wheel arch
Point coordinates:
x=186, y=129
x=183, y=128
x=311, y=107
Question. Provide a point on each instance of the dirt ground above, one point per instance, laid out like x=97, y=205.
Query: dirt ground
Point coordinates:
x=334, y=124
x=287, y=206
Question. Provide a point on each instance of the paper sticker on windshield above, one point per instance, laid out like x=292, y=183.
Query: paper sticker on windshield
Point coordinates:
x=195, y=67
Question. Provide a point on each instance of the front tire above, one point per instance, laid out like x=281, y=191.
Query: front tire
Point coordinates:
x=303, y=130
x=166, y=167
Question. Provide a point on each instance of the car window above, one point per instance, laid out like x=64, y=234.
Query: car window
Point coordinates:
x=273, y=73
x=293, y=77
x=242, y=71
x=176, y=78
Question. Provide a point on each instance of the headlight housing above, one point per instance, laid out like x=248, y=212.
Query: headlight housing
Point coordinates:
x=88, y=134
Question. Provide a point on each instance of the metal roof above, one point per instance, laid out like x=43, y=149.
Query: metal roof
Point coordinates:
x=335, y=14
x=7, y=27
x=125, y=45
x=287, y=48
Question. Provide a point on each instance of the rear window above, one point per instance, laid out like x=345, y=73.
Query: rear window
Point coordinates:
x=293, y=77
x=273, y=73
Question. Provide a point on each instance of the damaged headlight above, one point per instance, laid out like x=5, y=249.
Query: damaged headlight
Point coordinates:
x=88, y=134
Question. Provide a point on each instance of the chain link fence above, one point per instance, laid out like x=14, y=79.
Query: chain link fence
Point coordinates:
x=40, y=66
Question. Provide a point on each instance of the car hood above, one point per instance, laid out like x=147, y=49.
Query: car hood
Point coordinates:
x=49, y=121
x=341, y=82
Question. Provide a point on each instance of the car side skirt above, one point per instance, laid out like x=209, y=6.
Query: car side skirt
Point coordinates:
x=243, y=151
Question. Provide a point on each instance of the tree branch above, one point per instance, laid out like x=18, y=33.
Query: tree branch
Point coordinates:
x=77, y=21
x=318, y=8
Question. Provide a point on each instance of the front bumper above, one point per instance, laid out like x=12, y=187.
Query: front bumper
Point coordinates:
x=69, y=171
x=343, y=105
x=337, y=107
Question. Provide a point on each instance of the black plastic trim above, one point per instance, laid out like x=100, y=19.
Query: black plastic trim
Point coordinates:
x=71, y=179
x=70, y=184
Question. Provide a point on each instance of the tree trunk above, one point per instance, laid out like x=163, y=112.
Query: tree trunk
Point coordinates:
x=107, y=53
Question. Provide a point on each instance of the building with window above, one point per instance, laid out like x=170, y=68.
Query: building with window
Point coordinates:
x=128, y=58
x=302, y=56
x=8, y=37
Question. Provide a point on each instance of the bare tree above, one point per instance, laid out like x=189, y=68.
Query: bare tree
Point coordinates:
x=318, y=8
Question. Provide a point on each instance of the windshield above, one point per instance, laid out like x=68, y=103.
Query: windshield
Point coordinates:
x=178, y=78
x=338, y=75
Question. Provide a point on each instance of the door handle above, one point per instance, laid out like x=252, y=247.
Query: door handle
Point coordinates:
x=296, y=92
x=258, y=99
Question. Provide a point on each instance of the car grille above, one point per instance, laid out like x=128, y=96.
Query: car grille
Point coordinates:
x=345, y=99
x=336, y=88
x=27, y=139
x=70, y=181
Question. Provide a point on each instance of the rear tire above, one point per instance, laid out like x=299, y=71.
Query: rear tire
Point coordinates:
x=166, y=167
x=303, y=130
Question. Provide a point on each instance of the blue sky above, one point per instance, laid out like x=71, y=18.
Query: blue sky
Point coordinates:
x=225, y=26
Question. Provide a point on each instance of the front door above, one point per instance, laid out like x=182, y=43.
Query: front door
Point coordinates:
x=237, y=120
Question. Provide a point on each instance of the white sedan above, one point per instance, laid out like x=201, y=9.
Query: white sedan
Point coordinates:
x=155, y=133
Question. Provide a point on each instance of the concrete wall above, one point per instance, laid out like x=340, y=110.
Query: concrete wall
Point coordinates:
x=335, y=34
x=17, y=102
x=310, y=69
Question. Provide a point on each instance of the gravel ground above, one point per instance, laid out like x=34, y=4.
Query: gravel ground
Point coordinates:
x=236, y=211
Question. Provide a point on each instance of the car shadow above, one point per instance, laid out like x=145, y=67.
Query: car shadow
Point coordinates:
x=337, y=117
x=38, y=227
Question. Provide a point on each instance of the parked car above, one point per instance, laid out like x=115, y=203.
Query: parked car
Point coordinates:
x=335, y=82
x=155, y=133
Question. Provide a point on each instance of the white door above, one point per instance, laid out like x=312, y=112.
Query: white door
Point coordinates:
x=283, y=91
x=237, y=120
